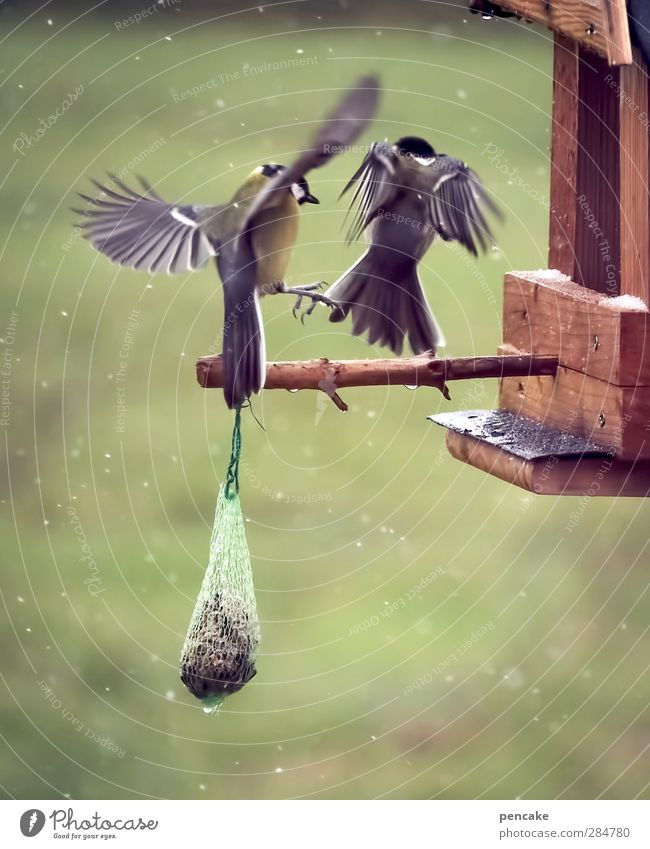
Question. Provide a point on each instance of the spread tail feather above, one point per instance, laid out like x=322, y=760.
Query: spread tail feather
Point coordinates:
x=244, y=355
x=386, y=309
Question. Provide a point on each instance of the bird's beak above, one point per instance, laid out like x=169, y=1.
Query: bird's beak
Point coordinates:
x=310, y=199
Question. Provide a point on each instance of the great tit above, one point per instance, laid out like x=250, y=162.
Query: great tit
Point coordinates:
x=406, y=194
x=252, y=236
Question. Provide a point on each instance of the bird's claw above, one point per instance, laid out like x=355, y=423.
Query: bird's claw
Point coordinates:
x=312, y=307
x=309, y=291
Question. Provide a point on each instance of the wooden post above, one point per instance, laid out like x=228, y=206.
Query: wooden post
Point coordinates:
x=598, y=212
x=635, y=185
x=564, y=155
x=599, y=232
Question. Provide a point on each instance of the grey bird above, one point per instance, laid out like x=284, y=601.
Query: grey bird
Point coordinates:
x=406, y=195
x=252, y=236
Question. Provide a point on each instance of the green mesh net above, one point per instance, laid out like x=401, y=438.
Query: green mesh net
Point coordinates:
x=218, y=656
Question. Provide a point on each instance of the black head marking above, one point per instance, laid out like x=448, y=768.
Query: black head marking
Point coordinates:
x=271, y=169
x=415, y=146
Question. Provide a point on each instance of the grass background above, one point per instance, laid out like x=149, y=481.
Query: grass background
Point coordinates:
x=519, y=668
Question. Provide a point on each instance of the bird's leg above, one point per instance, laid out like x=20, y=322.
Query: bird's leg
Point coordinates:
x=309, y=290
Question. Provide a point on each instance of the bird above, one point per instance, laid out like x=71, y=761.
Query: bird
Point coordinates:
x=251, y=237
x=405, y=195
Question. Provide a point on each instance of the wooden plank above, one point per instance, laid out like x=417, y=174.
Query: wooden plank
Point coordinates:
x=635, y=229
x=613, y=416
x=634, y=349
x=587, y=331
x=564, y=154
x=619, y=43
x=597, y=242
x=599, y=476
x=599, y=25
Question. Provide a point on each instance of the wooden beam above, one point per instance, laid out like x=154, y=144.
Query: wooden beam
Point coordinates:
x=598, y=213
x=599, y=25
x=590, y=333
x=597, y=476
x=635, y=182
x=564, y=157
x=599, y=230
x=424, y=370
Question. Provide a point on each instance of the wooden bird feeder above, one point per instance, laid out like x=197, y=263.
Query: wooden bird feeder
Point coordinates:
x=585, y=430
x=574, y=365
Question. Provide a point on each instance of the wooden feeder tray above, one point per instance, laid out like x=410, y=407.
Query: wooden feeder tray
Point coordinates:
x=540, y=458
x=519, y=435
x=564, y=470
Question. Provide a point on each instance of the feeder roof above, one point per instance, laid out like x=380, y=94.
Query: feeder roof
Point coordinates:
x=598, y=25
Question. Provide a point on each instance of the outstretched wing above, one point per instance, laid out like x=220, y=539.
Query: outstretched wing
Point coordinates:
x=457, y=203
x=375, y=188
x=341, y=129
x=145, y=232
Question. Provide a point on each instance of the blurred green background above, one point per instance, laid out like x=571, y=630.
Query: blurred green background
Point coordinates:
x=427, y=630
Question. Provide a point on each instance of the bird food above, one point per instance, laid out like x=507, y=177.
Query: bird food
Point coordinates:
x=218, y=656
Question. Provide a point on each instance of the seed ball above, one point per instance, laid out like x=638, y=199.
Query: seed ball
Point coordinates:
x=219, y=652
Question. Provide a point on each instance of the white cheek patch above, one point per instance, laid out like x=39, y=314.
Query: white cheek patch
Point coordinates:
x=298, y=192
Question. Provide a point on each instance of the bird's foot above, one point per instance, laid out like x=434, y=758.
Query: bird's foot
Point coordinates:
x=309, y=290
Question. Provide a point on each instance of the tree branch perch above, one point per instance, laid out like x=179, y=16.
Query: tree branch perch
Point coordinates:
x=423, y=370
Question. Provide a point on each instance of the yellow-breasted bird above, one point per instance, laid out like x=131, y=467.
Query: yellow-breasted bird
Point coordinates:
x=252, y=236
x=406, y=195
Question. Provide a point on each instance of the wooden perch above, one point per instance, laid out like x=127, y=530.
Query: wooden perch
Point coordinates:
x=423, y=370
